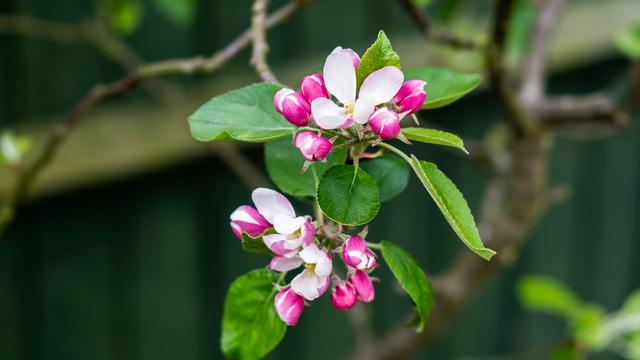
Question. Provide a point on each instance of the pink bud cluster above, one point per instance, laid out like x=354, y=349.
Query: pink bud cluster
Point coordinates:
x=292, y=239
x=380, y=114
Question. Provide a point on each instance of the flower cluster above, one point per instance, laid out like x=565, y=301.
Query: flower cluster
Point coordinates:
x=294, y=243
x=329, y=101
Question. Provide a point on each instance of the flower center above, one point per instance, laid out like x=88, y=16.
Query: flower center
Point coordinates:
x=349, y=109
x=311, y=267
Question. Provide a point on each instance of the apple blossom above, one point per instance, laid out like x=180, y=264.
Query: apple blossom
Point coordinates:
x=313, y=281
x=246, y=219
x=411, y=96
x=289, y=306
x=312, y=146
x=363, y=285
x=385, y=123
x=292, y=106
x=356, y=254
x=355, y=58
x=343, y=295
x=340, y=80
x=312, y=87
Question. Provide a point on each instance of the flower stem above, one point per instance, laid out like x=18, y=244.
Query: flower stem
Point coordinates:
x=377, y=246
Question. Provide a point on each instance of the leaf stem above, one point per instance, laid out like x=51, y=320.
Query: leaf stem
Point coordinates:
x=377, y=246
x=396, y=151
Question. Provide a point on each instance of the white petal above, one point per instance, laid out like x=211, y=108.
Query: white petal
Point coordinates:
x=312, y=254
x=363, y=110
x=288, y=225
x=327, y=114
x=281, y=263
x=271, y=239
x=271, y=203
x=307, y=285
x=381, y=85
x=293, y=244
x=340, y=77
x=324, y=266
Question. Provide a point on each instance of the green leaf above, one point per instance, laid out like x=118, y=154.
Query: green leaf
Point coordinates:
x=124, y=15
x=246, y=114
x=443, y=86
x=628, y=42
x=180, y=12
x=406, y=270
x=251, y=327
x=377, y=56
x=632, y=303
x=421, y=3
x=452, y=205
x=256, y=245
x=432, y=136
x=348, y=195
x=390, y=172
x=546, y=294
x=284, y=162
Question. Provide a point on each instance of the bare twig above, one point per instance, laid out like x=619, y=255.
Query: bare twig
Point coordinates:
x=533, y=78
x=104, y=91
x=423, y=22
x=42, y=29
x=561, y=111
x=260, y=44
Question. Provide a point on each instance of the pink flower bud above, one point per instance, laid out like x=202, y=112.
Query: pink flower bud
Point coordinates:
x=289, y=306
x=411, y=96
x=246, y=219
x=355, y=253
x=385, y=123
x=355, y=58
x=363, y=285
x=292, y=106
x=312, y=146
x=343, y=295
x=312, y=87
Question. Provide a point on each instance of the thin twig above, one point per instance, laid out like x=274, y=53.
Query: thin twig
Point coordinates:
x=101, y=92
x=42, y=29
x=423, y=22
x=260, y=44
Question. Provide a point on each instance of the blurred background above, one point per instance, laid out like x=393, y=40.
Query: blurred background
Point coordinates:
x=123, y=250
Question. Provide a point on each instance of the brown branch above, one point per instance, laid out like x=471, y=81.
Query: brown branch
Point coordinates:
x=42, y=29
x=562, y=111
x=533, y=79
x=259, y=39
x=104, y=91
x=423, y=22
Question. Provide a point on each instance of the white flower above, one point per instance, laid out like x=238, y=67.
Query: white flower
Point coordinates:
x=340, y=80
x=313, y=281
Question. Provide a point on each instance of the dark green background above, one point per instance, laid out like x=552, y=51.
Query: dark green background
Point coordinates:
x=137, y=269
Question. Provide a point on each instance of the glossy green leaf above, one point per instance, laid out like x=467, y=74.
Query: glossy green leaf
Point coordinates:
x=546, y=294
x=251, y=327
x=443, y=86
x=246, y=114
x=413, y=280
x=180, y=12
x=348, y=195
x=255, y=245
x=377, y=56
x=433, y=136
x=628, y=42
x=452, y=205
x=124, y=15
x=284, y=162
x=390, y=172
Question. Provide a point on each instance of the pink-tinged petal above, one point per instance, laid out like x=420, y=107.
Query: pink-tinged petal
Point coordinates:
x=285, y=224
x=363, y=285
x=283, y=263
x=309, y=285
x=385, y=123
x=247, y=219
x=363, y=110
x=308, y=233
x=292, y=106
x=321, y=148
x=381, y=85
x=312, y=146
x=347, y=124
x=327, y=114
x=340, y=77
x=325, y=282
x=354, y=252
x=312, y=87
x=355, y=58
x=411, y=96
x=237, y=229
x=324, y=266
x=312, y=254
x=343, y=296
x=276, y=243
x=271, y=203
x=289, y=306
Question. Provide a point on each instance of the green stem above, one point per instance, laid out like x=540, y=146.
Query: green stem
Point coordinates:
x=377, y=246
x=396, y=151
x=318, y=213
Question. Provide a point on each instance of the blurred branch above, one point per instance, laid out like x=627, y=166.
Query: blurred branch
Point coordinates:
x=424, y=24
x=42, y=29
x=260, y=44
x=533, y=78
x=565, y=110
x=101, y=92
